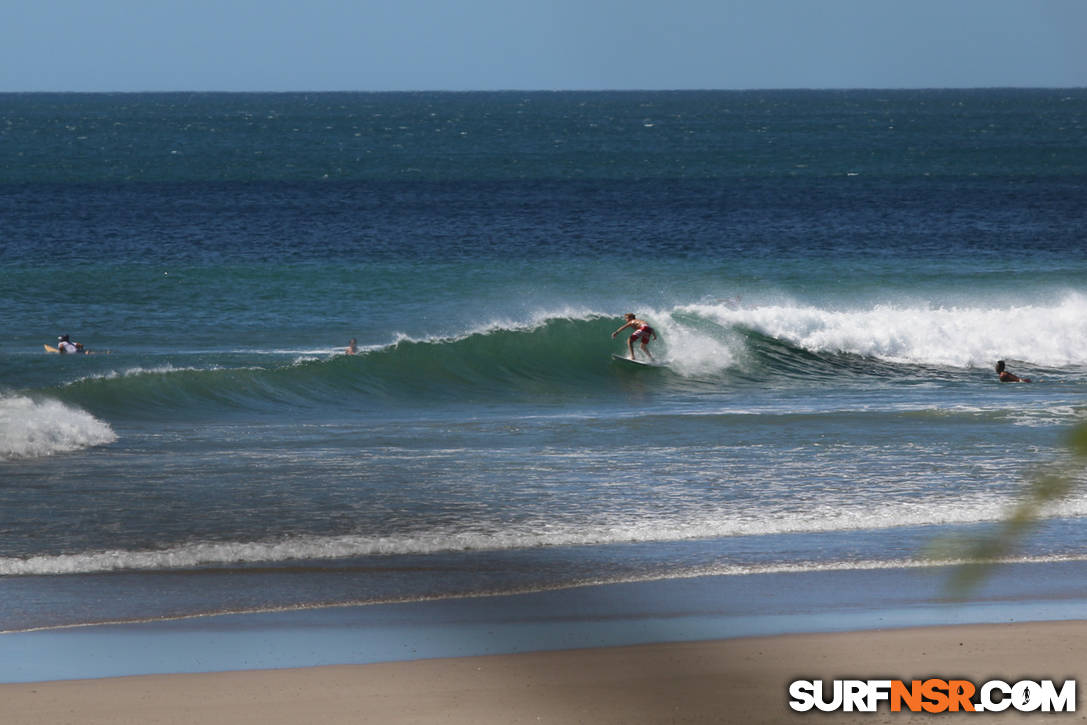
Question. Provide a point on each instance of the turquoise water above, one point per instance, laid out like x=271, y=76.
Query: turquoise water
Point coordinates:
x=832, y=276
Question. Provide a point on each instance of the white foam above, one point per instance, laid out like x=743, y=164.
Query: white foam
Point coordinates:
x=34, y=429
x=536, y=320
x=536, y=534
x=690, y=353
x=138, y=371
x=1045, y=334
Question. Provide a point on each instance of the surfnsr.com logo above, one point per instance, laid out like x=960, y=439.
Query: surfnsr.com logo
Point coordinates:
x=932, y=695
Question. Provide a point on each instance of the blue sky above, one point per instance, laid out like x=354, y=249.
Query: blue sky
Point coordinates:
x=272, y=45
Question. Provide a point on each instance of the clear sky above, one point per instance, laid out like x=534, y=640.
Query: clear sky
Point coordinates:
x=278, y=45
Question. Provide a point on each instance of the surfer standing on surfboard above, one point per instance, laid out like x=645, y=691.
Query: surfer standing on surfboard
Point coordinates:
x=642, y=332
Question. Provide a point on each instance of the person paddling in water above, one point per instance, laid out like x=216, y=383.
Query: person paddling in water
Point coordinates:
x=642, y=332
x=1006, y=377
x=65, y=346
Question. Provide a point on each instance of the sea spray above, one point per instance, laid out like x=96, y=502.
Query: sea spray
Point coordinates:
x=35, y=429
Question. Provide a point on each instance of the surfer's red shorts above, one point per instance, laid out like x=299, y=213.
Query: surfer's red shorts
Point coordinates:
x=642, y=334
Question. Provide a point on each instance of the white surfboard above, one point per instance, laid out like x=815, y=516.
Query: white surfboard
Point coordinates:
x=640, y=363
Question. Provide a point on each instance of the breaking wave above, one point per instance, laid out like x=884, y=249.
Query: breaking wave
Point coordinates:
x=818, y=519
x=720, y=344
x=35, y=429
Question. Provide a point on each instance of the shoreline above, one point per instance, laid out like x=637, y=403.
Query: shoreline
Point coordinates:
x=718, y=607
x=738, y=680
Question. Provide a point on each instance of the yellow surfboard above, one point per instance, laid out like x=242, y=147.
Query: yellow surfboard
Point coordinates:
x=50, y=348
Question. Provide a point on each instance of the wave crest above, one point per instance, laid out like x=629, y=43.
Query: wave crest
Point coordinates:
x=568, y=357
x=1053, y=335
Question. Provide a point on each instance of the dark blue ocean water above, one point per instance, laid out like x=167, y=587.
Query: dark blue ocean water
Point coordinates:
x=832, y=276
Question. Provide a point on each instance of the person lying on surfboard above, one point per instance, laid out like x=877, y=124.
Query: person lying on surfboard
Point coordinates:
x=66, y=347
x=642, y=333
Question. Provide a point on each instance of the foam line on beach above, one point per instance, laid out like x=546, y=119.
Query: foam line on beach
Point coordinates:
x=671, y=610
x=700, y=572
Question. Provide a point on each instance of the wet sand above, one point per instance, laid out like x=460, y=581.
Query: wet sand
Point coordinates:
x=740, y=680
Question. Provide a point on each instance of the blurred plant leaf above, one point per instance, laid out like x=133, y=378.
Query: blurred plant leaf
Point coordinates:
x=976, y=557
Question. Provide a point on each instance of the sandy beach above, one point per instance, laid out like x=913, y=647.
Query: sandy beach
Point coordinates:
x=742, y=680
